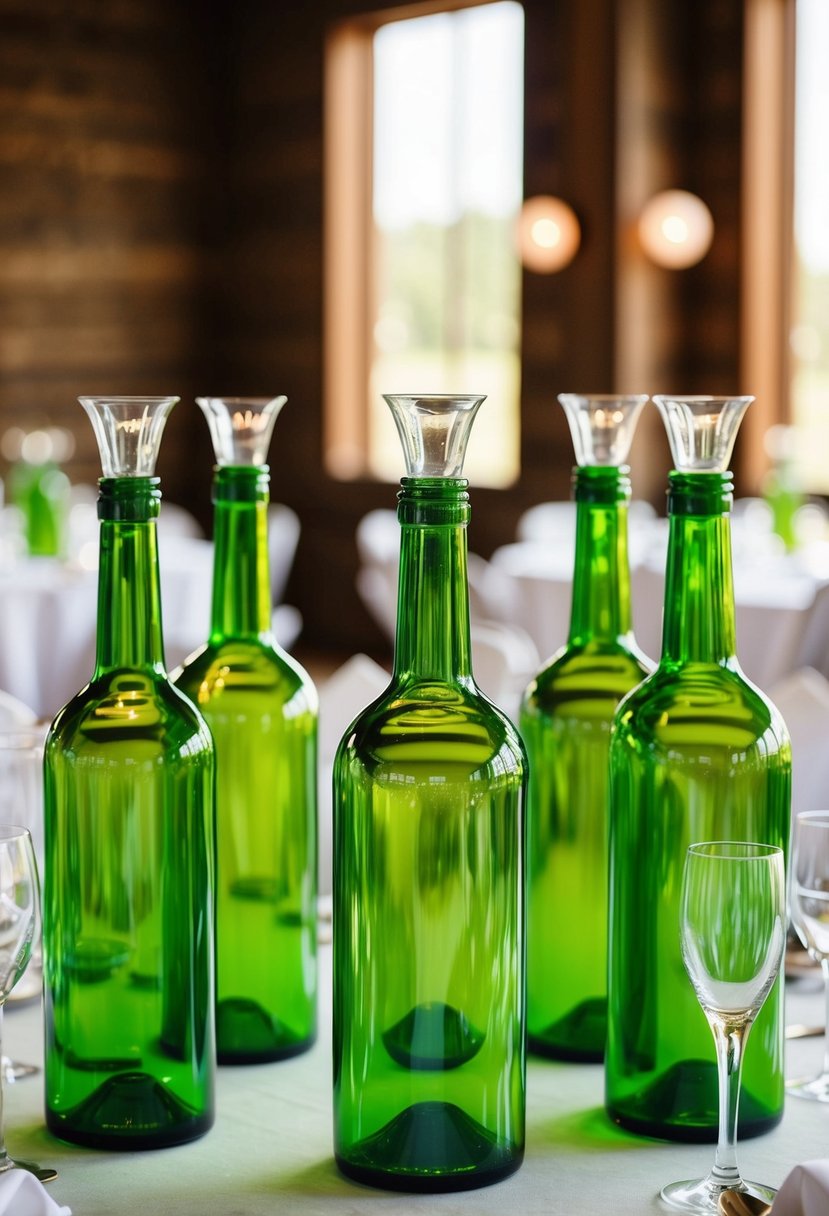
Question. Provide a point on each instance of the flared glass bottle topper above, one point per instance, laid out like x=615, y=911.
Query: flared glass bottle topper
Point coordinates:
x=602, y=426
x=434, y=431
x=702, y=430
x=241, y=427
x=128, y=431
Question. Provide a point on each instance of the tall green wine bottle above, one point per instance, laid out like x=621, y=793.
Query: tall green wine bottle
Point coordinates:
x=697, y=753
x=261, y=708
x=129, y=845
x=429, y=961
x=566, y=717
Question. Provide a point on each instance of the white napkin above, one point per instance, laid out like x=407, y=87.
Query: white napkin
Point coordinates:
x=22, y=1195
x=805, y=1191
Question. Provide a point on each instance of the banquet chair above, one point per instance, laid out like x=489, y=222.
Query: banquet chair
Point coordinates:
x=343, y=695
x=813, y=646
x=14, y=713
x=283, y=538
x=803, y=700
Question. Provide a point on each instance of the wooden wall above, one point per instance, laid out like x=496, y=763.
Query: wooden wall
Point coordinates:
x=161, y=231
x=105, y=224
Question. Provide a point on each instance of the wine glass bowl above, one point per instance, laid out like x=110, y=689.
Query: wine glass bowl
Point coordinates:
x=809, y=906
x=732, y=935
x=19, y=898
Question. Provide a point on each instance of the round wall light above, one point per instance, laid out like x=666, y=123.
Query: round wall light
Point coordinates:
x=676, y=229
x=549, y=234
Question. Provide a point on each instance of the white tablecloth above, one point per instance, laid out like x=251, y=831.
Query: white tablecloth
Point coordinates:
x=270, y=1150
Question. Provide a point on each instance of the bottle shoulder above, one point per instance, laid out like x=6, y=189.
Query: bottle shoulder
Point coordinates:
x=130, y=706
x=436, y=727
x=585, y=681
x=696, y=702
x=245, y=668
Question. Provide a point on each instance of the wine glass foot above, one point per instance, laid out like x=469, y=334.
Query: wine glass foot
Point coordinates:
x=43, y=1173
x=816, y=1089
x=702, y=1195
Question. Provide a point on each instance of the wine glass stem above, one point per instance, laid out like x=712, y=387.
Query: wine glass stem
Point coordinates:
x=824, y=966
x=5, y=1161
x=730, y=1039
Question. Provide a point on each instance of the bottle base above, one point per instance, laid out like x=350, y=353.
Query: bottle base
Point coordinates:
x=129, y=1111
x=228, y=1057
x=561, y=1052
x=247, y=1034
x=681, y=1105
x=578, y=1037
x=425, y=1184
x=688, y=1133
x=430, y=1147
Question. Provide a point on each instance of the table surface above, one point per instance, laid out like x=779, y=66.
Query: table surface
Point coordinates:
x=270, y=1149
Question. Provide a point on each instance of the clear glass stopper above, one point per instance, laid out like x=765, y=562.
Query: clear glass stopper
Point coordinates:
x=241, y=427
x=128, y=431
x=702, y=430
x=434, y=432
x=602, y=426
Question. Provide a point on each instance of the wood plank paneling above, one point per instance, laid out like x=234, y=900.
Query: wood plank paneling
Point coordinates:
x=102, y=134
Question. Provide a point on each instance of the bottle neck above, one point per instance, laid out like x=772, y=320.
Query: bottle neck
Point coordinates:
x=129, y=600
x=601, y=581
x=432, y=641
x=241, y=579
x=699, y=588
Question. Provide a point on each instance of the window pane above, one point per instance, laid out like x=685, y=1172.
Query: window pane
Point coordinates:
x=447, y=188
x=810, y=299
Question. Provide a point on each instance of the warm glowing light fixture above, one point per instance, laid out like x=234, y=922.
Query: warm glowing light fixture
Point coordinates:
x=549, y=234
x=676, y=229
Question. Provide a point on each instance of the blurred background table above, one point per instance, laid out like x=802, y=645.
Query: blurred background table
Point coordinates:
x=49, y=607
x=271, y=1147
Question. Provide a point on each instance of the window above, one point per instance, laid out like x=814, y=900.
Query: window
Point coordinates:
x=809, y=334
x=424, y=121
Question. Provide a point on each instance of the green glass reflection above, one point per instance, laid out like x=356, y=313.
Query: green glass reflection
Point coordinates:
x=566, y=717
x=128, y=876
x=697, y=753
x=429, y=972
x=261, y=708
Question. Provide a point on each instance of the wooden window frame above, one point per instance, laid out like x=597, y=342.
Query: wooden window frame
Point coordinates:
x=348, y=233
x=767, y=223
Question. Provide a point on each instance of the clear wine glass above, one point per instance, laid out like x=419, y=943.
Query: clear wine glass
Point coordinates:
x=732, y=933
x=809, y=906
x=18, y=922
x=21, y=801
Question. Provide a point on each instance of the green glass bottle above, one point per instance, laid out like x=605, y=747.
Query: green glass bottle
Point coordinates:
x=40, y=490
x=261, y=708
x=429, y=955
x=566, y=715
x=697, y=753
x=129, y=845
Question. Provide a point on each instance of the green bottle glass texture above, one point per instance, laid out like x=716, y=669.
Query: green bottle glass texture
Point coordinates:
x=40, y=490
x=566, y=716
x=429, y=955
x=261, y=708
x=697, y=753
x=129, y=845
